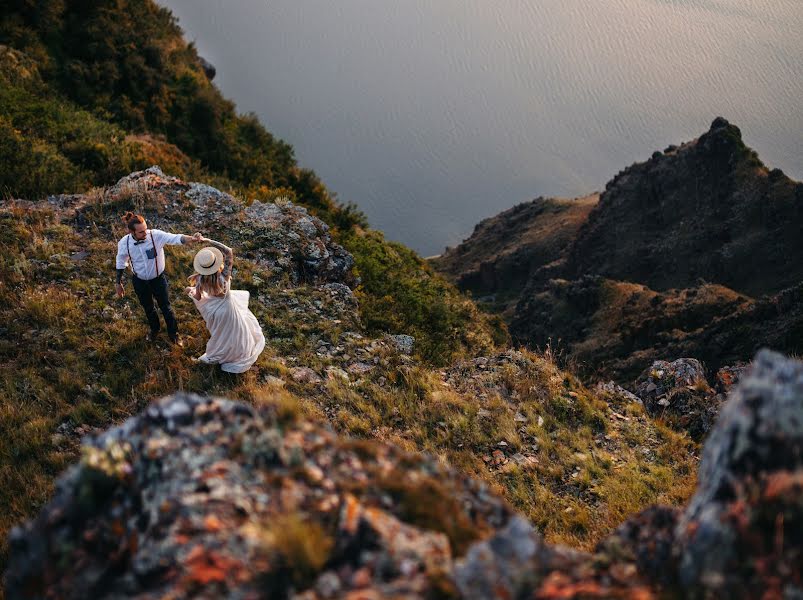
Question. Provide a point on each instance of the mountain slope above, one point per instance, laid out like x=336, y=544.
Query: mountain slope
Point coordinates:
x=90, y=92
x=502, y=253
x=708, y=209
x=696, y=252
x=74, y=358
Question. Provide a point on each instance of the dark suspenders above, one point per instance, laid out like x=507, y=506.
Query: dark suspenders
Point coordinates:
x=131, y=260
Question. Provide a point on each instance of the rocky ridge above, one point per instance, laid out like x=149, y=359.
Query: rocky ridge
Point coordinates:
x=695, y=252
x=201, y=496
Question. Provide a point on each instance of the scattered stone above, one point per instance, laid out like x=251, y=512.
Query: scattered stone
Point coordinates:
x=304, y=375
x=617, y=391
x=359, y=368
x=337, y=373
x=404, y=343
x=274, y=382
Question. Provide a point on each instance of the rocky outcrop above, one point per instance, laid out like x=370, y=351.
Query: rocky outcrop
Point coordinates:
x=697, y=251
x=281, y=236
x=741, y=535
x=206, y=496
x=504, y=251
x=209, y=497
x=708, y=209
x=678, y=392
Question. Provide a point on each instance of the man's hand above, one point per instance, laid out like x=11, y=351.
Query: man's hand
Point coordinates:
x=197, y=237
x=120, y=290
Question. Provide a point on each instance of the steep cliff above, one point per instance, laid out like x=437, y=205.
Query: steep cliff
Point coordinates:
x=695, y=252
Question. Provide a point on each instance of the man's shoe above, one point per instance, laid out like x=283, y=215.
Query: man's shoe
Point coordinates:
x=177, y=341
x=151, y=337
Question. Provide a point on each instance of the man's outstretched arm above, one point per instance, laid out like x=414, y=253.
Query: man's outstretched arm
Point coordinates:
x=173, y=239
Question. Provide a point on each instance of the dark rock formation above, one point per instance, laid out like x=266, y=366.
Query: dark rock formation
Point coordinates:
x=696, y=252
x=208, y=68
x=504, y=251
x=708, y=209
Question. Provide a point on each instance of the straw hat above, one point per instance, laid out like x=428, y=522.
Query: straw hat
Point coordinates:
x=208, y=261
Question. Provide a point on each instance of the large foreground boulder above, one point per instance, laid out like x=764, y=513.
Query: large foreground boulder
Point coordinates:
x=211, y=498
x=742, y=532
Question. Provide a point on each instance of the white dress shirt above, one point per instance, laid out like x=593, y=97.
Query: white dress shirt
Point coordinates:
x=140, y=255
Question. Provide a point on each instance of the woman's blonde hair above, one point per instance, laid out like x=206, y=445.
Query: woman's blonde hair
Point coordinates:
x=212, y=284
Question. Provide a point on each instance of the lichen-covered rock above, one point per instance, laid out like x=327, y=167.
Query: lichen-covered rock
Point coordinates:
x=207, y=497
x=729, y=376
x=679, y=392
x=741, y=535
x=404, y=343
x=283, y=236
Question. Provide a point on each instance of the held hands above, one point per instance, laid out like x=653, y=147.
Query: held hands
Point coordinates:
x=197, y=238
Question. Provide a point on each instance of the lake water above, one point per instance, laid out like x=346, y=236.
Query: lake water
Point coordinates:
x=432, y=115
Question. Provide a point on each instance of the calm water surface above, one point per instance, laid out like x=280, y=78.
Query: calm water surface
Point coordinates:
x=433, y=115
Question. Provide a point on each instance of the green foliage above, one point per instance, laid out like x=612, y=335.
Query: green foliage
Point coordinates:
x=127, y=60
x=48, y=145
x=400, y=293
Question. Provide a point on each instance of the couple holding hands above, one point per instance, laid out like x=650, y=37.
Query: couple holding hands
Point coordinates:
x=236, y=339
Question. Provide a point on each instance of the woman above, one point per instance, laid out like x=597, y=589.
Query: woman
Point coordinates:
x=236, y=339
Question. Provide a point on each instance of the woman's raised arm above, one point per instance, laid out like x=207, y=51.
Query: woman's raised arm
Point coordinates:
x=228, y=256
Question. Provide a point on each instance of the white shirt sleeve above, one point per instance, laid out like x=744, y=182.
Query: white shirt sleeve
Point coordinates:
x=166, y=239
x=122, y=254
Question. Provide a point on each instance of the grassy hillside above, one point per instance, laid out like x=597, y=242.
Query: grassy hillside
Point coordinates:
x=92, y=91
x=74, y=358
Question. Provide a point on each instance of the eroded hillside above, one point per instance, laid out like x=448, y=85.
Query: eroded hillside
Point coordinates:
x=575, y=461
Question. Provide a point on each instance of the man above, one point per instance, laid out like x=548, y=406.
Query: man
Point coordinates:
x=143, y=250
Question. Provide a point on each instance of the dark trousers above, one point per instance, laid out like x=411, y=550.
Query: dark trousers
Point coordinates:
x=146, y=291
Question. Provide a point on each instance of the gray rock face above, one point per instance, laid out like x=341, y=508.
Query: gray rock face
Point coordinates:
x=678, y=391
x=502, y=565
x=742, y=532
x=285, y=237
x=201, y=497
x=404, y=343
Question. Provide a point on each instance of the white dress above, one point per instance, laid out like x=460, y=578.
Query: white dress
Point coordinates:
x=236, y=339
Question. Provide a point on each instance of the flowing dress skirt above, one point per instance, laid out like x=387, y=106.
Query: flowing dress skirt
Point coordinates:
x=236, y=339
